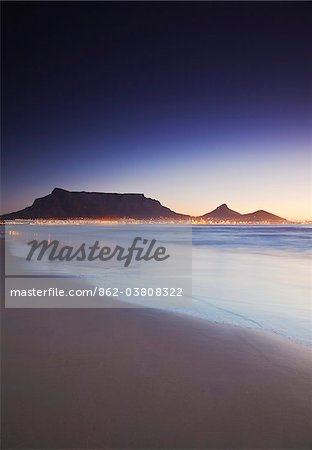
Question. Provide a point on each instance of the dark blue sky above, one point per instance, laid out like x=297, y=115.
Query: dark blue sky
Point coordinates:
x=191, y=103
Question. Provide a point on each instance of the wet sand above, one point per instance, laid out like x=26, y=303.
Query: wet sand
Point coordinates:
x=80, y=378
x=141, y=378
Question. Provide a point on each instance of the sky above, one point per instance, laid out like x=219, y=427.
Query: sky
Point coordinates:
x=194, y=104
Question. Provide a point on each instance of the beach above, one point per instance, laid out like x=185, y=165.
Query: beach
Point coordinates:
x=125, y=378
x=118, y=378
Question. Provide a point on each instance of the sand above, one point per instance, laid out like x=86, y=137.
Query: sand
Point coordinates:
x=141, y=378
x=78, y=378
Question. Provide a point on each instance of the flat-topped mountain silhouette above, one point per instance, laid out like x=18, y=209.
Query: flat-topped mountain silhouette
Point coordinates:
x=62, y=204
x=224, y=213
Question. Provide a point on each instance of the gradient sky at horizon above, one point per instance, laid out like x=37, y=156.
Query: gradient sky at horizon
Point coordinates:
x=195, y=104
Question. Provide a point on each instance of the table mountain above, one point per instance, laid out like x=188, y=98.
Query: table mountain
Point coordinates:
x=62, y=204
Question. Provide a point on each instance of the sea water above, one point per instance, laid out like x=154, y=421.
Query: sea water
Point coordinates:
x=250, y=276
x=255, y=276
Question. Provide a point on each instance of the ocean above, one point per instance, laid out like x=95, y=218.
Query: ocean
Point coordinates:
x=255, y=276
x=249, y=276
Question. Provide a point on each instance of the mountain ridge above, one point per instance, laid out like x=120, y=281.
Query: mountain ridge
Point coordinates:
x=223, y=212
x=64, y=204
x=61, y=204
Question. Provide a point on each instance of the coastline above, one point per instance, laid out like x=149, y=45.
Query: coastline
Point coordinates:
x=145, y=378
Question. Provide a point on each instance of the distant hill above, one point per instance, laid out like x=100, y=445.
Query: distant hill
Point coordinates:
x=224, y=213
x=62, y=204
x=262, y=216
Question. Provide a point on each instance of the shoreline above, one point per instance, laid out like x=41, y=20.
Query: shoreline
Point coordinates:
x=142, y=378
x=111, y=302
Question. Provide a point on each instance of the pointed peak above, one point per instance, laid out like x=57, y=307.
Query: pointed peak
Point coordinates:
x=223, y=212
x=223, y=206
